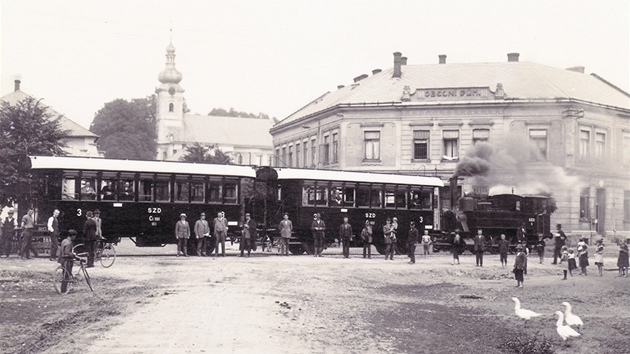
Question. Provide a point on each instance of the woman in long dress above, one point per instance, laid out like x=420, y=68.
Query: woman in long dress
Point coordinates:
x=622, y=261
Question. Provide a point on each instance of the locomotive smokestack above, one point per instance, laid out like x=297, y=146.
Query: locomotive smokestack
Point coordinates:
x=453, y=186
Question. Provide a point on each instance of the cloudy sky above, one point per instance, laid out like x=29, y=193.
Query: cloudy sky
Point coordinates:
x=275, y=56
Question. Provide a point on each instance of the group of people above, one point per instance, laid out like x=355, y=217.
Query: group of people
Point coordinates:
x=202, y=234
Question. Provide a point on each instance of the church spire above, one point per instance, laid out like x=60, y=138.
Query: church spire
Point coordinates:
x=170, y=75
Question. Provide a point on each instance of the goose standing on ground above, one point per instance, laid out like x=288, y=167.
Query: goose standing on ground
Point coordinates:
x=565, y=331
x=570, y=318
x=522, y=313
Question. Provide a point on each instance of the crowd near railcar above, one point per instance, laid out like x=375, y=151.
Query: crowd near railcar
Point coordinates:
x=139, y=199
x=360, y=196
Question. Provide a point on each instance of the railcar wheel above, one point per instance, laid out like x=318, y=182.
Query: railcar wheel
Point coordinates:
x=308, y=247
x=296, y=249
x=380, y=249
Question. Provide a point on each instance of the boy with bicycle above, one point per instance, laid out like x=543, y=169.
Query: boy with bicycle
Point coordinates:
x=67, y=258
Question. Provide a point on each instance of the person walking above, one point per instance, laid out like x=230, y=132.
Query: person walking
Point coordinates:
x=388, y=231
x=599, y=256
x=540, y=248
x=318, y=228
x=220, y=225
x=456, y=248
x=53, y=233
x=248, y=235
x=622, y=259
x=202, y=231
x=66, y=258
x=503, y=250
x=345, y=235
x=519, y=266
x=286, y=227
x=8, y=232
x=28, y=224
x=366, y=236
x=426, y=242
x=182, y=233
x=89, y=237
x=412, y=239
x=479, y=247
x=560, y=239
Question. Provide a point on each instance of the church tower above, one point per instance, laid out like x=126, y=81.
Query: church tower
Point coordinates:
x=170, y=108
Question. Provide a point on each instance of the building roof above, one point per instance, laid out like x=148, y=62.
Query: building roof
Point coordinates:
x=520, y=81
x=74, y=129
x=230, y=131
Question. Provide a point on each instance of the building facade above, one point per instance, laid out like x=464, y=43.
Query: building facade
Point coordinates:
x=247, y=140
x=510, y=127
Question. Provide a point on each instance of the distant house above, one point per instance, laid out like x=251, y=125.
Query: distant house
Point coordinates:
x=81, y=142
x=247, y=140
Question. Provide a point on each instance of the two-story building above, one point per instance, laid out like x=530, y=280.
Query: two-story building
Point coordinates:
x=514, y=127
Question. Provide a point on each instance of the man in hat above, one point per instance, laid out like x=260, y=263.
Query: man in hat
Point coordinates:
x=53, y=232
x=28, y=224
x=8, y=232
x=89, y=237
x=248, y=235
x=220, y=225
x=519, y=265
x=182, y=233
x=202, y=231
x=412, y=239
x=560, y=239
x=479, y=246
x=318, y=228
x=99, y=223
x=345, y=235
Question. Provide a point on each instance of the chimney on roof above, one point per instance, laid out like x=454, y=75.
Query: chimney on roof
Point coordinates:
x=360, y=77
x=339, y=87
x=17, y=85
x=442, y=58
x=403, y=61
x=397, y=63
x=376, y=71
x=513, y=57
x=577, y=69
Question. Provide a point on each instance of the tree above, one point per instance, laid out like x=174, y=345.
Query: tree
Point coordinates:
x=234, y=113
x=127, y=128
x=26, y=128
x=206, y=154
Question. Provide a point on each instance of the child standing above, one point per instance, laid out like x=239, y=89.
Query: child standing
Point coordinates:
x=564, y=251
x=503, y=251
x=570, y=263
x=540, y=248
x=599, y=256
x=583, y=258
x=622, y=261
x=519, y=266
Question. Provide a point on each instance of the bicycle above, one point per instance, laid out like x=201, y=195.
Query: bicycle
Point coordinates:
x=105, y=253
x=62, y=277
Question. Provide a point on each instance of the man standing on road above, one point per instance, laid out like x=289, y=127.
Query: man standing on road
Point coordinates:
x=503, y=250
x=66, y=258
x=286, y=226
x=220, y=225
x=426, y=241
x=202, y=230
x=479, y=246
x=28, y=223
x=53, y=232
x=412, y=239
x=99, y=224
x=560, y=239
x=366, y=236
x=8, y=231
x=89, y=237
x=388, y=231
x=345, y=235
x=318, y=227
x=182, y=233
x=248, y=235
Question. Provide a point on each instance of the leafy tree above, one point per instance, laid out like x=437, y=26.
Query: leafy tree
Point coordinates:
x=234, y=113
x=206, y=154
x=26, y=128
x=127, y=128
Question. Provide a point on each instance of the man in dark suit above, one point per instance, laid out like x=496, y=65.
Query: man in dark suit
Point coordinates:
x=249, y=235
x=345, y=235
x=479, y=246
x=318, y=228
x=560, y=239
x=89, y=237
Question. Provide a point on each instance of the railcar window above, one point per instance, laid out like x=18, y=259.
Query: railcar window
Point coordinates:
x=349, y=196
x=363, y=197
x=145, y=194
x=231, y=192
x=87, y=188
x=182, y=189
x=108, y=189
x=395, y=198
x=312, y=195
x=197, y=190
x=69, y=188
x=127, y=191
x=420, y=199
x=162, y=187
x=336, y=196
x=215, y=190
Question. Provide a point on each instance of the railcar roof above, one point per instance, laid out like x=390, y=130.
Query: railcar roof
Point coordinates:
x=365, y=177
x=99, y=164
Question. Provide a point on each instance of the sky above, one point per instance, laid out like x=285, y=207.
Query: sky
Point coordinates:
x=275, y=56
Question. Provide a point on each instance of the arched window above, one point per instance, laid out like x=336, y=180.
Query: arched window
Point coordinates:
x=171, y=107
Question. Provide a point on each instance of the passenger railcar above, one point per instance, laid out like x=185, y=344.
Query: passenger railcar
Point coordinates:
x=138, y=199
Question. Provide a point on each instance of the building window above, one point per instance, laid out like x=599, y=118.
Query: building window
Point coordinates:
x=290, y=157
x=372, y=141
x=421, y=144
x=626, y=206
x=538, y=140
x=451, y=144
x=283, y=159
x=585, y=210
x=600, y=145
x=277, y=164
x=326, y=150
x=480, y=135
x=171, y=107
x=313, y=152
x=297, y=155
x=626, y=149
x=335, y=148
x=585, y=143
x=305, y=153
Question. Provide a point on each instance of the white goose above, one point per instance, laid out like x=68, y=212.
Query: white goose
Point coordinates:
x=570, y=318
x=565, y=331
x=522, y=313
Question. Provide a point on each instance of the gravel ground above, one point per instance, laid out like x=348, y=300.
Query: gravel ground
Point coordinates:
x=153, y=302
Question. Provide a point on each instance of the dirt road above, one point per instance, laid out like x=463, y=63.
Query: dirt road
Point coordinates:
x=273, y=304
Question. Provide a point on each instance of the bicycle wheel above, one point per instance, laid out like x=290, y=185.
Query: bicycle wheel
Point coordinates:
x=108, y=255
x=58, y=280
x=86, y=277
